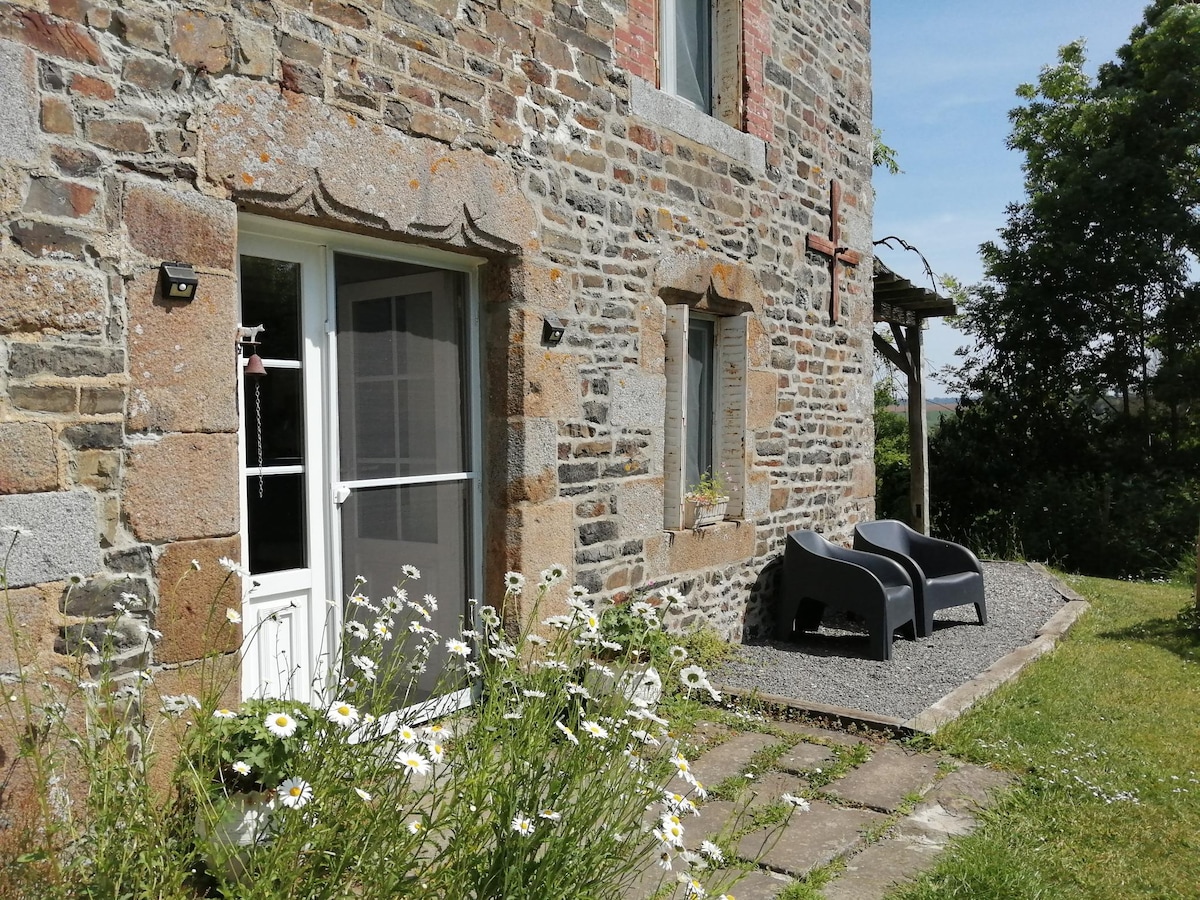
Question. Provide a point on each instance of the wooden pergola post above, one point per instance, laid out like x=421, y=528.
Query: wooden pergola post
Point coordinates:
x=904, y=307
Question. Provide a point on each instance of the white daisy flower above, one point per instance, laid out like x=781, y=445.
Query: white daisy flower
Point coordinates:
x=514, y=582
x=436, y=730
x=691, y=886
x=664, y=859
x=798, y=802
x=412, y=762
x=525, y=692
x=180, y=704
x=436, y=751
x=522, y=825
x=381, y=630
x=366, y=665
x=550, y=815
x=672, y=828
x=88, y=685
x=390, y=604
x=241, y=767
x=692, y=677
x=224, y=714
x=420, y=611
x=489, y=617
x=232, y=616
x=357, y=630
x=120, y=608
x=678, y=654
x=431, y=602
x=673, y=598
x=712, y=851
x=568, y=732
x=281, y=724
x=195, y=565
x=365, y=796
x=595, y=729
x=415, y=826
x=295, y=792
x=578, y=590
x=234, y=568
x=578, y=690
x=553, y=575
x=411, y=572
x=642, y=608
x=537, y=640
x=407, y=734
x=458, y=648
x=342, y=714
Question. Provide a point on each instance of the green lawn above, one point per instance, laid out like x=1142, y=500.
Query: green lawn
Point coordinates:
x=1105, y=736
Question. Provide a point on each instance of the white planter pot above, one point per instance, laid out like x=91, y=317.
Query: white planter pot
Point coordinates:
x=241, y=821
x=697, y=514
x=634, y=683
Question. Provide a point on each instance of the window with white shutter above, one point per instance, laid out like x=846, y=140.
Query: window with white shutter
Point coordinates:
x=705, y=428
x=700, y=55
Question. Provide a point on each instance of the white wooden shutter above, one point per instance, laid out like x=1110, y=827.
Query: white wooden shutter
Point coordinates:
x=727, y=62
x=675, y=431
x=731, y=408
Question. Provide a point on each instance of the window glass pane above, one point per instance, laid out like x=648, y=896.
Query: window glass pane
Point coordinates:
x=700, y=406
x=274, y=406
x=401, y=358
x=271, y=297
x=275, y=523
x=693, y=51
x=426, y=526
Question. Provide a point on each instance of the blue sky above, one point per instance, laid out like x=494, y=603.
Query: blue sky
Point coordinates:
x=945, y=72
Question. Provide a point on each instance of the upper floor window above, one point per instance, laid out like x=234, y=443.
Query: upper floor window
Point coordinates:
x=700, y=55
x=687, y=51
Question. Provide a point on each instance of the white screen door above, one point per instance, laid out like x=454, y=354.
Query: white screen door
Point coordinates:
x=359, y=446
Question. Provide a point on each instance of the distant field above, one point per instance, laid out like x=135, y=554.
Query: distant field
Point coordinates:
x=935, y=409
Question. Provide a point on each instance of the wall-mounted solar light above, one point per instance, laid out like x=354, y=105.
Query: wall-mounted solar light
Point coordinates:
x=179, y=281
x=552, y=330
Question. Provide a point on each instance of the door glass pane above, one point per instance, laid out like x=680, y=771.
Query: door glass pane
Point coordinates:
x=700, y=409
x=275, y=526
x=271, y=297
x=693, y=51
x=426, y=526
x=401, y=359
x=274, y=407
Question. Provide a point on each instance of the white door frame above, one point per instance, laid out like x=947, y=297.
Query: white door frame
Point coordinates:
x=314, y=249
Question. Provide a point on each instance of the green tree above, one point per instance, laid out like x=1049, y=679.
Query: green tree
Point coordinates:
x=1083, y=374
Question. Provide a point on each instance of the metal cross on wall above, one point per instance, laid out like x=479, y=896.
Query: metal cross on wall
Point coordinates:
x=830, y=246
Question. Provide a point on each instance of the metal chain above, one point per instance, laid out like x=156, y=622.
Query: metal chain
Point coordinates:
x=258, y=431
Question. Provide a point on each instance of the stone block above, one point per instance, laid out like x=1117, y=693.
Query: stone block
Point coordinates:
x=35, y=620
x=57, y=116
x=65, y=40
x=20, y=142
x=192, y=604
x=762, y=400
x=63, y=536
x=549, y=382
x=99, y=470
x=804, y=758
x=64, y=360
x=40, y=239
x=640, y=507
x=200, y=41
x=531, y=459
x=182, y=372
x=59, y=398
x=182, y=487
x=97, y=598
x=122, y=135
x=101, y=400
x=38, y=296
x=28, y=458
x=256, y=49
x=168, y=224
x=703, y=548
x=539, y=536
x=94, y=436
x=878, y=869
x=638, y=399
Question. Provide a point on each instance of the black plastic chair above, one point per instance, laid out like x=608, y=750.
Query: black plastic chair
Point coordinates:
x=818, y=575
x=943, y=574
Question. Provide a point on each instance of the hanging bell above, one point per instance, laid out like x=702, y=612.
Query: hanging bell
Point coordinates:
x=254, y=365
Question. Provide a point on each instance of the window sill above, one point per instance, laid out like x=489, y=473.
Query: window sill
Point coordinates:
x=723, y=543
x=669, y=111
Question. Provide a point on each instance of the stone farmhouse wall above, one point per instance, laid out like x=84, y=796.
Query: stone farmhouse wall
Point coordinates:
x=527, y=131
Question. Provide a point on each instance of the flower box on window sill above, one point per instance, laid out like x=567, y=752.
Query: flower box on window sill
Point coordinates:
x=698, y=513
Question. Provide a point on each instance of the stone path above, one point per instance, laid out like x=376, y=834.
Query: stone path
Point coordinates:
x=880, y=813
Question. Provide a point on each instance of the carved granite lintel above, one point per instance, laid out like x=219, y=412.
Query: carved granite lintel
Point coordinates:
x=708, y=281
x=278, y=150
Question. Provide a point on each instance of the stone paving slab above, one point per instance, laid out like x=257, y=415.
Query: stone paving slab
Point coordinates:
x=841, y=738
x=870, y=874
x=760, y=885
x=730, y=758
x=811, y=839
x=805, y=757
x=883, y=781
x=714, y=816
x=970, y=787
x=768, y=788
